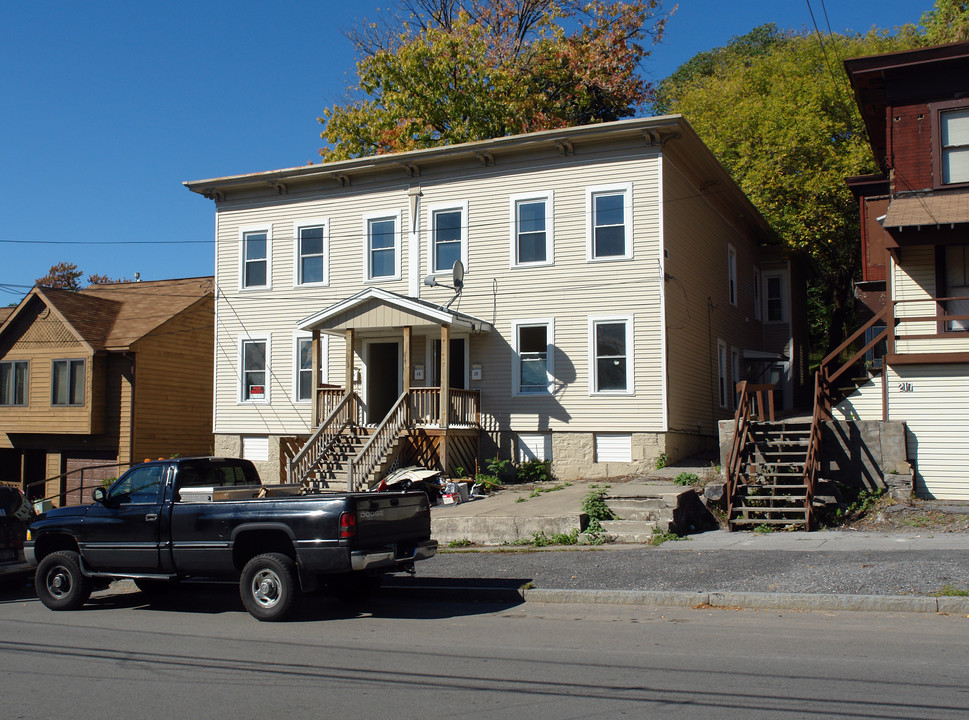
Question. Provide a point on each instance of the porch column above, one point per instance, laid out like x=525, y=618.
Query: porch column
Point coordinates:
x=445, y=390
x=315, y=366
x=406, y=354
x=349, y=361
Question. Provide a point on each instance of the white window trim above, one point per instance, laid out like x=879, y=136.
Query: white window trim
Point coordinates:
x=13, y=386
x=630, y=359
x=297, y=265
x=84, y=364
x=549, y=324
x=243, y=231
x=732, y=289
x=785, y=310
x=590, y=193
x=758, y=293
x=243, y=339
x=723, y=379
x=548, y=198
x=385, y=215
x=444, y=207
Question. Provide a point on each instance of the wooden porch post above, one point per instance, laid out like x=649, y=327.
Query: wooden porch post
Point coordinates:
x=349, y=361
x=315, y=366
x=406, y=354
x=445, y=390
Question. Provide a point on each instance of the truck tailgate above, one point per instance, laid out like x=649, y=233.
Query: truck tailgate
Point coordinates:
x=385, y=518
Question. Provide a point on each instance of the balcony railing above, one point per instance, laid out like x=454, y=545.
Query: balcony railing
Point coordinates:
x=464, y=407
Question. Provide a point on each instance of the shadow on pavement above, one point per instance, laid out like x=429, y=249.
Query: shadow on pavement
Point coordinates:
x=405, y=598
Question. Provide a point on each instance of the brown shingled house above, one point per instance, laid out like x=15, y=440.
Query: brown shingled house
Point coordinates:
x=109, y=375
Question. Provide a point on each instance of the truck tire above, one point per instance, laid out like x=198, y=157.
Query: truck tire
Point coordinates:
x=60, y=583
x=269, y=587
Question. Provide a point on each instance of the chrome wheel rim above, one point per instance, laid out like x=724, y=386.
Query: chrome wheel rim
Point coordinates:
x=59, y=582
x=266, y=588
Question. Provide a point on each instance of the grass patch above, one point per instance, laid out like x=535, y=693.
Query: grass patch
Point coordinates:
x=660, y=537
x=764, y=529
x=685, y=478
x=950, y=591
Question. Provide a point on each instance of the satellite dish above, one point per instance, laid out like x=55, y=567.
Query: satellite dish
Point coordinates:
x=457, y=274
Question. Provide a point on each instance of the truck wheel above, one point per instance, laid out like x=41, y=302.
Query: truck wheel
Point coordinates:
x=269, y=587
x=59, y=582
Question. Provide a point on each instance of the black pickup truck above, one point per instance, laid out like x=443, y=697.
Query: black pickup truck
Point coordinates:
x=211, y=518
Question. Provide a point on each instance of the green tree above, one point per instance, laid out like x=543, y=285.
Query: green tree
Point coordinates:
x=947, y=22
x=464, y=70
x=777, y=110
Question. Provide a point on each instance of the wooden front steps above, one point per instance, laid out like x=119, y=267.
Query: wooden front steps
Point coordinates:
x=772, y=490
x=331, y=470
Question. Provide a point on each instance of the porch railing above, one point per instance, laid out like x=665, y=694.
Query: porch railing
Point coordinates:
x=464, y=407
x=395, y=421
x=328, y=397
x=739, y=445
x=812, y=460
x=345, y=413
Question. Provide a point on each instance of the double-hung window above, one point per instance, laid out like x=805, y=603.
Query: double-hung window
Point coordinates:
x=382, y=246
x=255, y=258
x=954, y=139
x=67, y=382
x=955, y=273
x=13, y=382
x=610, y=222
x=531, y=229
x=449, y=237
x=610, y=356
x=533, y=357
x=255, y=370
x=311, y=241
x=775, y=297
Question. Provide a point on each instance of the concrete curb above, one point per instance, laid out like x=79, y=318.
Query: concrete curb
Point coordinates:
x=672, y=598
x=752, y=600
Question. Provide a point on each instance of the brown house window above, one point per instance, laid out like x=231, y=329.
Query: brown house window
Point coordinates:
x=13, y=382
x=67, y=382
x=950, y=132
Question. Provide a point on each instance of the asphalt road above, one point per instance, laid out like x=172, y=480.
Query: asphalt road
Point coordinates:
x=198, y=654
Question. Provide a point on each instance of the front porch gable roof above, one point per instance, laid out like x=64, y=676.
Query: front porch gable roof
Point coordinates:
x=375, y=308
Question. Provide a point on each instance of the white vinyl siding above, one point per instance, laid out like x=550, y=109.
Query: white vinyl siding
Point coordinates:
x=570, y=290
x=532, y=223
x=613, y=447
x=914, y=286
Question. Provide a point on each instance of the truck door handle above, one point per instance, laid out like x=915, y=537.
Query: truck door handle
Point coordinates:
x=150, y=517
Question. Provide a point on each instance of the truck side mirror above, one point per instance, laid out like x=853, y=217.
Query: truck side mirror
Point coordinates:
x=99, y=495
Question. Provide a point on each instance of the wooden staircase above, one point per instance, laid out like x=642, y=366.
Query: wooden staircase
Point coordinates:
x=772, y=469
x=773, y=491
x=330, y=471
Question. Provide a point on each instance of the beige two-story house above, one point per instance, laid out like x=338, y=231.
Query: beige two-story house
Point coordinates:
x=616, y=285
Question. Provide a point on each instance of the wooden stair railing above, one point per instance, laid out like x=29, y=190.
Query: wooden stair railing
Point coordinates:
x=316, y=448
x=360, y=468
x=738, y=448
x=812, y=460
x=825, y=389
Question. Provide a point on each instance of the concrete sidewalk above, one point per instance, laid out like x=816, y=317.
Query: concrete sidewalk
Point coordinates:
x=824, y=570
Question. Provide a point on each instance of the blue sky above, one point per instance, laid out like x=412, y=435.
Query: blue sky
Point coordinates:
x=108, y=106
